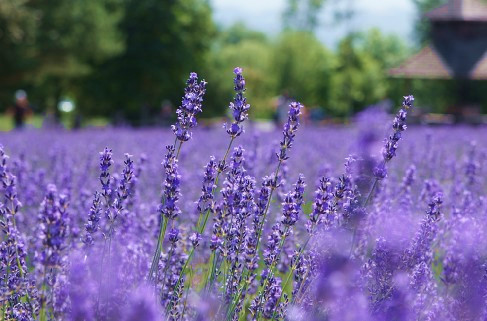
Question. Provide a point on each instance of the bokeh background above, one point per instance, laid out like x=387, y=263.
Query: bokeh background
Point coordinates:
x=76, y=63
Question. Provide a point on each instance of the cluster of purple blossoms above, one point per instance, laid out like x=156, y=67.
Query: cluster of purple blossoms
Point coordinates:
x=205, y=201
x=391, y=144
x=93, y=224
x=289, y=132
x=191, y=105
x=351, y=258
x=16, y=288
x=106, y=162
x=239, y=106
x=322, y=205
x=171, y=194
x=52, y=228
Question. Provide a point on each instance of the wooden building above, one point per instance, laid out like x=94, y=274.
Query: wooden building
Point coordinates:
x=457, y=48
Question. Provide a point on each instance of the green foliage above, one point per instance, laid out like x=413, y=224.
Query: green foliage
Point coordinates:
x=164, y=41
x=71, y=38
x=303, y=67
x=17, y=26
x=388, y=50
x=360, y=78
x=302, y=14
x=358, y=81
x=255, y=56
x=422, y=27
x=123, y=58
x=297, y=63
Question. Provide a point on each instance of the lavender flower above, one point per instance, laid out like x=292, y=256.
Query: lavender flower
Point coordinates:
x=239, y=105
x=106, y=162
x=205, y=201
x=52, y=228
x=92, y=226
x=289, y=132
x=171, y=192
x=391, y=144
x=191, y=105
x=322, y=206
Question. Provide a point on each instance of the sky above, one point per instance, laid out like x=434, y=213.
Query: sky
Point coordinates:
x=390, y=16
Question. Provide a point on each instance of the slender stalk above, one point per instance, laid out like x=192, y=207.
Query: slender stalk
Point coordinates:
x=162, y=231
x=212, y=266
x=157, y=254
x=4, y=310
x=42, y=313
x=376, y=181
x=168, y=262
x=261, y=227
x=354, y=236
x=301, y=287
x=181, y=276
x=207, y=214
x=274, y=262
x=301, y=251
x=201, y=229
x=186, y=296
x=179, y=148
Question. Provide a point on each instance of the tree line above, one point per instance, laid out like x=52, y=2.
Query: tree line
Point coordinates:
x=125, y=59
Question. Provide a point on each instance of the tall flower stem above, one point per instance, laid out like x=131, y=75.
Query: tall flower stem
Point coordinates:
x=201, y=228
x=157, y=254
x=271, y=273
x=191, y=104
x=289, y=133
x=369, y=196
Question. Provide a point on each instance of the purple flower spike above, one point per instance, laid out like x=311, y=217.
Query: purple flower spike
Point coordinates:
x=290, y=128
x=239, y=106
x=191, y=105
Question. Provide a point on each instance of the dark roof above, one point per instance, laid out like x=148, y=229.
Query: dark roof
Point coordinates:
x=428, y=64
x=425, y=64
x=460, y=10
x=480, y=70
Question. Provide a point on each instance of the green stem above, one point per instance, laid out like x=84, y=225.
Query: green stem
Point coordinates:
x=162, y=231
x=207, y=214
x=179, y=148
x=354, y=236
x=181, y=276
x=274, y=262
x=42, y=313
x=261, y=228
x=201, y=229
x=212, y=265
x=157, y=254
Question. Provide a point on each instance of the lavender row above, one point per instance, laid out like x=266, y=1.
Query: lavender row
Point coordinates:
x=368, y=221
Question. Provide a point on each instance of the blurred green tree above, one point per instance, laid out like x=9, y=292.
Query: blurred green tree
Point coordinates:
x=303, y=67
x=164, y=41
x=421, y=26
x=72, y=38
x=251, y=50
x=360, y=77
x=17, y=26
x=302, y=14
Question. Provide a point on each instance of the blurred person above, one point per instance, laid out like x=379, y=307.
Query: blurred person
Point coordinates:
x=21, y=109
x=281, y=108
x=166, y=113
x=50, y=121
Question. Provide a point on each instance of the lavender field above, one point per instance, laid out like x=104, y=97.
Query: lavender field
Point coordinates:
x=368, y=221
